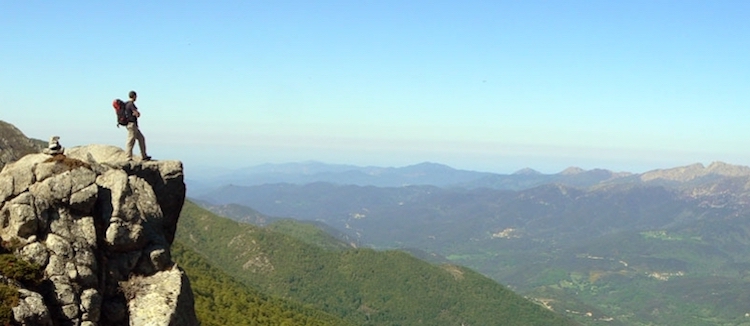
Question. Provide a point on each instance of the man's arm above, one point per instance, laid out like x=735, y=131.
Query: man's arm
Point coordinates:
x=134, y=110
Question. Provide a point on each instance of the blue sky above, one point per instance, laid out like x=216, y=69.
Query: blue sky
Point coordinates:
x=483, y=85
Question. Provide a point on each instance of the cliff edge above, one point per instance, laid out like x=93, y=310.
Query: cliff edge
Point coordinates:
x=98, y=228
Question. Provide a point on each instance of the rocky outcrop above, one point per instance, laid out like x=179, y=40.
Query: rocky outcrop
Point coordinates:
x=14, y=144
x=100, y=228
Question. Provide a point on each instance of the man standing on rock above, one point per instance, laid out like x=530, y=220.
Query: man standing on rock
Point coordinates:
x=133, y=132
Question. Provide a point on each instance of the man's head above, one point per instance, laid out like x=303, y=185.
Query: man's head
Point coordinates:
x=132, y=95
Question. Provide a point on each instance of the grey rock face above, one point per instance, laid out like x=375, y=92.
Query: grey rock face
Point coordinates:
x=149, y=307
x=100, y=227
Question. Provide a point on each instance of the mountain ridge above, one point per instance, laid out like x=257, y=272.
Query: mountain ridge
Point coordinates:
x=693, y=171
x=14, y=144
x=436, y=174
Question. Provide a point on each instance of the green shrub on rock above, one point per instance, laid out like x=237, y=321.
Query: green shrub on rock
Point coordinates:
x=19, y=270
x=8, y=300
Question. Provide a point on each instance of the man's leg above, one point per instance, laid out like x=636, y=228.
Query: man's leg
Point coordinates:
x=141, y=142
x=132, y=131
x=142, y=145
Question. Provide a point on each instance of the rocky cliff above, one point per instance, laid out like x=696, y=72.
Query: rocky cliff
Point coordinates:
x=98, y=228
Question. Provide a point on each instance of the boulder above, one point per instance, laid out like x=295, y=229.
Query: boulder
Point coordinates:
x=31, y=309
x=150, y=293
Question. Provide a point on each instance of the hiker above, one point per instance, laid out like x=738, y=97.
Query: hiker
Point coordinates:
x=133, y=132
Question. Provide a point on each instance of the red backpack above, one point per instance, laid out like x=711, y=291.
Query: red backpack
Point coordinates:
x=122, y=114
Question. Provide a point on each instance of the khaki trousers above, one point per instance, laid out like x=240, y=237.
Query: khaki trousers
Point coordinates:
x=135, y=134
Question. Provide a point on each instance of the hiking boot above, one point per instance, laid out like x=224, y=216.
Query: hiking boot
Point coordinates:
x=146, y=158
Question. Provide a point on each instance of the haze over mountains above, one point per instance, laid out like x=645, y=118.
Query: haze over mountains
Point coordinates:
x=435, y=174
x=425, y=173
x=719, y=188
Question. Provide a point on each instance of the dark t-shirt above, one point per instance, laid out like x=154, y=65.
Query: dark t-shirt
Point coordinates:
x=129, y=107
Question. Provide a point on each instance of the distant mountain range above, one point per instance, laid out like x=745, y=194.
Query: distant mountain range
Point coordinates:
x=589, y=242
x=605, y=208
x=444, y=176
x=717, y=184
x=308, y=172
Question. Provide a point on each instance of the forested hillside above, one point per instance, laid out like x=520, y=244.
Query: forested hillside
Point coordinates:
x=363, y=286
x=220, y=300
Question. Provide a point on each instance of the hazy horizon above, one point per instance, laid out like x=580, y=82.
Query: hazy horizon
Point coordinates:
x=228, y=168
